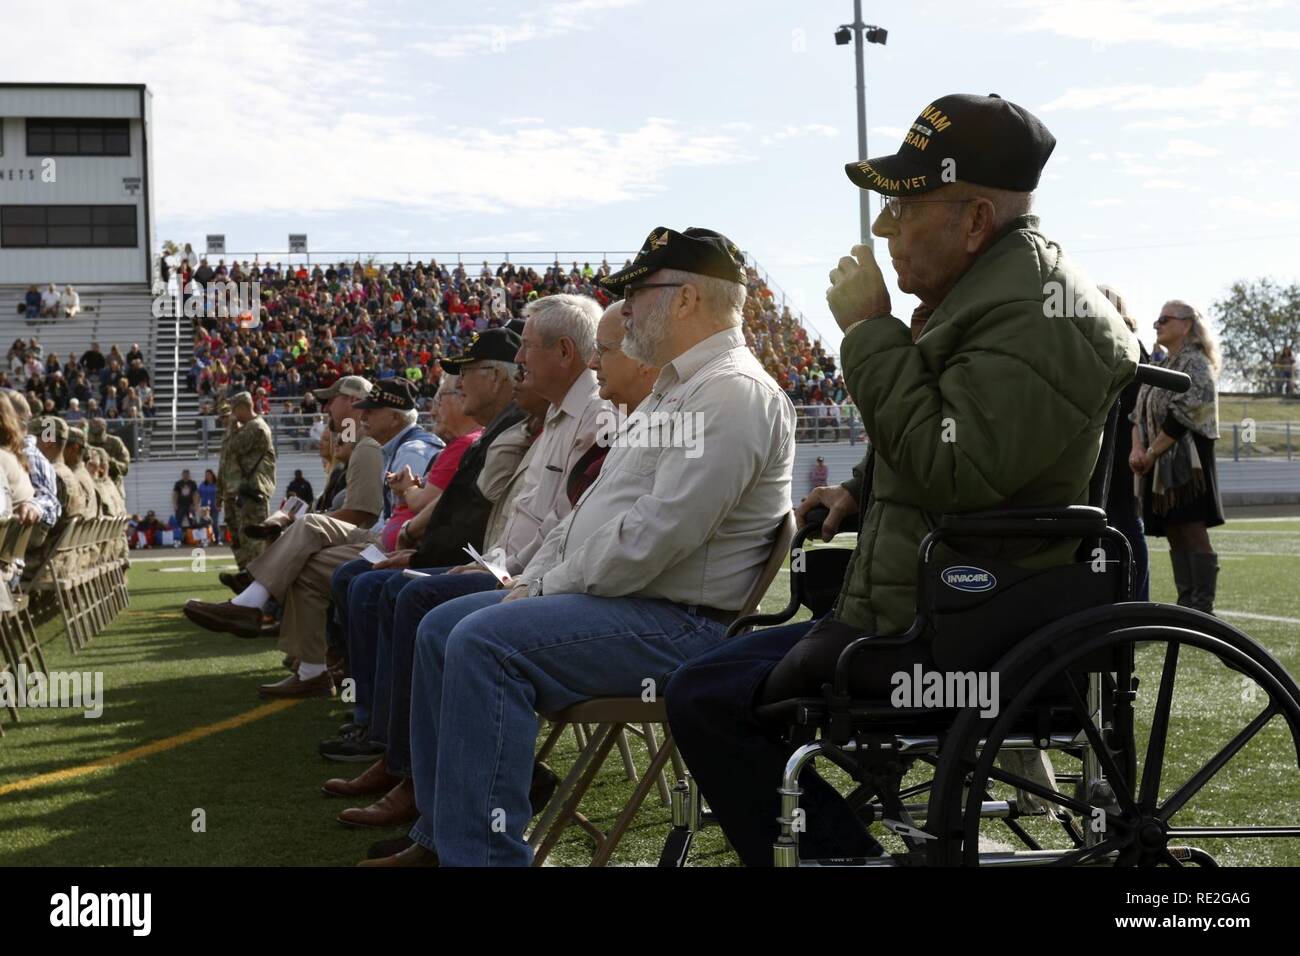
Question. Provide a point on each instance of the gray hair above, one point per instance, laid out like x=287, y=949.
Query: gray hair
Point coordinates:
x=1007, y=205
x=721, y=299
x=566, y=316
x=1200, y=334
x=409, y=415
x=508, y=369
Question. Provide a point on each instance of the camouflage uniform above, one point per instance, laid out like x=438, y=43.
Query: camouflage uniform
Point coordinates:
x=82, y=497
x=119, y=459
x=251, y=478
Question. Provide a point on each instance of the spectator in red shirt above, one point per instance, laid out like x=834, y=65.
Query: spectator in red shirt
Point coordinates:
x=459, y=431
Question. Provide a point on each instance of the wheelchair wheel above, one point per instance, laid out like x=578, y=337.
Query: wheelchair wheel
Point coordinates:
x=1146, y=691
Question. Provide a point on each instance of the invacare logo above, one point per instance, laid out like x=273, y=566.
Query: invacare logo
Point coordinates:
x=102, y=909
x=965, y=578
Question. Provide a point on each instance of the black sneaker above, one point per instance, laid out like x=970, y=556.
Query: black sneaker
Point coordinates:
x=545, y=782
x=353, y=731
x=351, y=751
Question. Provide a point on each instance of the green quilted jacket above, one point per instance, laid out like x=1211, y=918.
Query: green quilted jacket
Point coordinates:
x=1000, y=403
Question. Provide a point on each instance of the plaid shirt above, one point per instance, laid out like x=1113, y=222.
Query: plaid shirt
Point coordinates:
x=44, y=483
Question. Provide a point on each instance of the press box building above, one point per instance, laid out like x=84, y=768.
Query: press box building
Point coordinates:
x=76, y=203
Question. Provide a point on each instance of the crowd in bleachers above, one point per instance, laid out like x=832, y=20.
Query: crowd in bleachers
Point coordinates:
x=316, y=324
x=94, y=384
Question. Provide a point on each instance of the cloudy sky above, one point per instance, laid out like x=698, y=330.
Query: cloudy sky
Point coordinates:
x=581, y=124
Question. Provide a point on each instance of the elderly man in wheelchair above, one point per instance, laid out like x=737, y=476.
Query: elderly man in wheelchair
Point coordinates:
x=984, y=618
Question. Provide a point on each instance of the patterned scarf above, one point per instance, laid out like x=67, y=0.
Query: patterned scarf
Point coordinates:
x=1178, y=476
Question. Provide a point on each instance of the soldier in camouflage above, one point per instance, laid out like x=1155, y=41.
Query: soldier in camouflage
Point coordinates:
x=119, y=459
x=251, y=475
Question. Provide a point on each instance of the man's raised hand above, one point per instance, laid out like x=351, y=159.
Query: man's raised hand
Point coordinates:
x=857, y=289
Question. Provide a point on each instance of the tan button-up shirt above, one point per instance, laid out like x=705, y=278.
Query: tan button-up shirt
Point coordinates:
x=502, y=481
x=685, y=512
x=570, y=429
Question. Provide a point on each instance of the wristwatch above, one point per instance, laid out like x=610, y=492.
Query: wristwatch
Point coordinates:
x=535, y=588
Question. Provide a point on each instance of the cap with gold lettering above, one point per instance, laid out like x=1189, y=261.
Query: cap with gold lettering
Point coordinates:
x=984, y=140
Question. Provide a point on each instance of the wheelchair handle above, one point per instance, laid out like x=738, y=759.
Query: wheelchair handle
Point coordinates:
x=1158, y=377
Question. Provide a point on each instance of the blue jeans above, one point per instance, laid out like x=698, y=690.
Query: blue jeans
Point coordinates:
x=482, y=671
x=354, y=593
x=1128, y=523
x=403, y=603
x=738, y=762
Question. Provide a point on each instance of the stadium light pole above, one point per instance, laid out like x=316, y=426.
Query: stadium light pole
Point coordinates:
x=857, y=30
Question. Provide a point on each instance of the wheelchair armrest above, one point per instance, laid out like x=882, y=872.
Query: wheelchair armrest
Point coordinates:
x=813, y=520
x=1074, y=521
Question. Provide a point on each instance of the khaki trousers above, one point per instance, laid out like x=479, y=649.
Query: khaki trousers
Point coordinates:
x=296, y=569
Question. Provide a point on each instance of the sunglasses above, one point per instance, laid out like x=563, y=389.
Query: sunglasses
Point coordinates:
x=1168, y=318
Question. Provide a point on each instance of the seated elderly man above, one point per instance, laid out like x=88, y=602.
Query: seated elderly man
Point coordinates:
x=622, y=381
x=296, y=569
x=554, y=349
x=999, y=402
x=644, y=574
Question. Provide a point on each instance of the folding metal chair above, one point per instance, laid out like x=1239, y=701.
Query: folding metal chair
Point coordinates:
x=612, y=716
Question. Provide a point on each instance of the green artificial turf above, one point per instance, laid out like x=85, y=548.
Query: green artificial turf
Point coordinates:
x=258, y=784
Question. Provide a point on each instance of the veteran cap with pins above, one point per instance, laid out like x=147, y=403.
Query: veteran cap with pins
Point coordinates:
x=701, y=251
x=984, y=140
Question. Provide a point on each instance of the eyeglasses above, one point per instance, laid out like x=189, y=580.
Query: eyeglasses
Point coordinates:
x=632, y=289
x=1167, y=318
x=603, y=350
x=894, y=205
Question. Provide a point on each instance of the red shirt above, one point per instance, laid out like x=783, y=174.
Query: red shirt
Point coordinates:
x=440, y=474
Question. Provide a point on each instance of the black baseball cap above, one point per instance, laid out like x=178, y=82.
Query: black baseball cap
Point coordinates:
x=499, y=345
x=984, y=140
x=701, y=251
x=395, y=393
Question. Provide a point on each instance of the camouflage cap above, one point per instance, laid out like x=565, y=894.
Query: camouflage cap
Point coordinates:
x=242, y=398
x=49, y=428
x=76, y=435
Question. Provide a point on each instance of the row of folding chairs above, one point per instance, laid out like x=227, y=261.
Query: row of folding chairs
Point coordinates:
x=82, y=577
x=603, y=724
x=20, y=652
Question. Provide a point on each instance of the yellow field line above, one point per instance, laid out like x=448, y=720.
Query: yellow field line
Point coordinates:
x=158, y=746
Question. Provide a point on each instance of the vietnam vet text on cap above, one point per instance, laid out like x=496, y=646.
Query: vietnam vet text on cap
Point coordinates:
x=701, y=251
x=984, y=140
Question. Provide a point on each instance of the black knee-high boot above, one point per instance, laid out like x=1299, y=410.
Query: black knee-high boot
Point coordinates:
x=1205, y=578
x=1183, y=581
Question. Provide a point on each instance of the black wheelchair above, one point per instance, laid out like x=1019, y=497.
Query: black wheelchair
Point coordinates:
x=1075, y=657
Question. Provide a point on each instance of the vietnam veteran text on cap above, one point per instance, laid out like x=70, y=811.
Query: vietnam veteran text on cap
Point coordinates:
x=353, y=386
x=500, y=345
x=398, y=393
x=701, y=251
x=984, y=140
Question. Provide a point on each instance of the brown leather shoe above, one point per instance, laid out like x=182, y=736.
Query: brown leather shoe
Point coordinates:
x=414, y=855
x=224, y=618
x=395, y=809
x=375, y=779
x=291, y=686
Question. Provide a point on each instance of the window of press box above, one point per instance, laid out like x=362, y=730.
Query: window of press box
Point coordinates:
x=68, y=227
x=78, y=137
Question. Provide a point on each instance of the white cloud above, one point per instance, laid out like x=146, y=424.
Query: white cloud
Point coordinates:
x=1247, y=25
x=800, y=132
x=893, y=132
x=553, y=20
x=1283, y=210
x=1190, y=148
